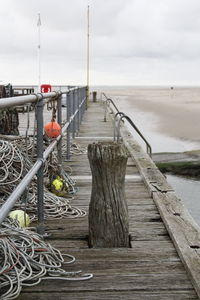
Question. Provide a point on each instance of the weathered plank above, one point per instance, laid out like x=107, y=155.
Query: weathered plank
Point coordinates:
x=184, y=232
x=121, y=295
x=114, y=282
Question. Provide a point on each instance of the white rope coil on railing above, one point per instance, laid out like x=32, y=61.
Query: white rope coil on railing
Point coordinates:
x=25, y=260
x=14, y=164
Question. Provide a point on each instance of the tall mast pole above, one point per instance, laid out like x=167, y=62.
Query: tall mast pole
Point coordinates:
x=88, y=55
x=39, y=47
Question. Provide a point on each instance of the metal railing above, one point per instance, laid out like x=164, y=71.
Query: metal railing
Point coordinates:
x=148, y=147
x=107, y=102
x=75, y=108
x=117, y=121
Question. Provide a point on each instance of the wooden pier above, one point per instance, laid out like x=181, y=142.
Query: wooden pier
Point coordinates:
x=163, y=259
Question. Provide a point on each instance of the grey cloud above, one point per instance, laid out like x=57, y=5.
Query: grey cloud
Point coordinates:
x=155, y=39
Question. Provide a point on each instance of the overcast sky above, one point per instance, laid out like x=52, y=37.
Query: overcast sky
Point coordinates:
x=133, y=42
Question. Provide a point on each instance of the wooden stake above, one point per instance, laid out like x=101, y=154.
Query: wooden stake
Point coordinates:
x=108, y=211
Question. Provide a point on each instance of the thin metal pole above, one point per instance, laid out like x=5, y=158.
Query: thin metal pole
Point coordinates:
x=21, y=100
x=81, y=98
x=74, y=109
x=59, y=116
x=71, y=111
x=88, y=56
x=40, y=179
x=77, y=107
x=79, y=102
x=68, y=118
x=84, y=96
x=18, y=191
x=39, y=52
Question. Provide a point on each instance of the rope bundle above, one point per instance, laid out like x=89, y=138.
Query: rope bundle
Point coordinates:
x=25, y=260
x=14, y=164
x=11, y=164
x=75, y=149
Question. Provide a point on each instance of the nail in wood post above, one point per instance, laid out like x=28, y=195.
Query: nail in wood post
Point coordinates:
x=108, y=211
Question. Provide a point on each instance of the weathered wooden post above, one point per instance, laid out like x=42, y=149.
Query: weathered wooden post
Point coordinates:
x=108, y=211
x=94, y=96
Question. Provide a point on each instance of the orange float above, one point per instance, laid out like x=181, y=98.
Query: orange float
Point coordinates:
x=52, y=129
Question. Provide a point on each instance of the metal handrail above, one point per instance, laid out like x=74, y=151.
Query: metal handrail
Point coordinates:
x=149, y=149
x=21, y=100
x=123, y=115
x=108, y=100
x=114, y=122
x=74, y=117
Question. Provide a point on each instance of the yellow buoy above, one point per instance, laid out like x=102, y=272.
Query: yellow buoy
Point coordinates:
x=57, y=184
x=19, y=215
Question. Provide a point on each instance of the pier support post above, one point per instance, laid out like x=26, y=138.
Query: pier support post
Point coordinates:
x=108, y=211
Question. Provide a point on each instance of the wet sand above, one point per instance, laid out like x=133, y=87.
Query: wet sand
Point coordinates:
x=178, y=109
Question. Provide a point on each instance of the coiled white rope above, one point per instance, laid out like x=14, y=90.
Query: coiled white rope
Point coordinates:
x=25, y=260
x=14, y=164
x=75, y=149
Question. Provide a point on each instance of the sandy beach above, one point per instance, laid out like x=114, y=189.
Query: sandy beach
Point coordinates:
x=177, y=109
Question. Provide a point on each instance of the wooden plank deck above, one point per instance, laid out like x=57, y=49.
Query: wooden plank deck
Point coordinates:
x=151, y=269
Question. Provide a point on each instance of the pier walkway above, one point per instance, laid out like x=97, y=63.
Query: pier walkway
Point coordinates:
x=150, y=269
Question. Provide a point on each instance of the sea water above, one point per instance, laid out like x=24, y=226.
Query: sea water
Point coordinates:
x=189, y=191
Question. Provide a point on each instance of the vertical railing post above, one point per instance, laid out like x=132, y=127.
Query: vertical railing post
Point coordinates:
x=68, y=129
x=73, y=110
x=40, y=176
x=84, y=96
x=66, y=105
x=76, y=105
x=59, y=117
x=79, y=109
x=105, y=110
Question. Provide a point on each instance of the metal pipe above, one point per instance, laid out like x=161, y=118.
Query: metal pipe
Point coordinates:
x=84, y=97
x=68, y=130
x=79, y=111
x=59, y=116
x=115, y=126
x=149, y=150
x=73, y=111
x=76, y=107
x=40, y=176
x=18, y=191
x=82, y=107
x=20, y=100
